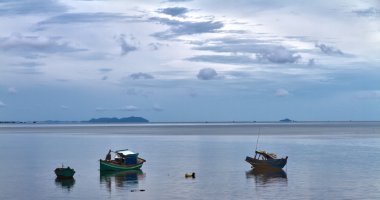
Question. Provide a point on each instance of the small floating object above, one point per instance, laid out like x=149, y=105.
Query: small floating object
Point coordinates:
x=136, y=190
x=64, y=173
x=190, y=175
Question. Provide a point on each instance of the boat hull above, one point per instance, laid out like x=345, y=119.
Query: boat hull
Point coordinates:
x=266, y=164
x=113, y=166
x=64, y=173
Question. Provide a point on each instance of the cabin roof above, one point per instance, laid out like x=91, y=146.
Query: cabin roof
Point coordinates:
x=125, y=152
x=267, y=155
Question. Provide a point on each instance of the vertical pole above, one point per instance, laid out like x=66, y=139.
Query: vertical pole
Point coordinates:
x=257, y=141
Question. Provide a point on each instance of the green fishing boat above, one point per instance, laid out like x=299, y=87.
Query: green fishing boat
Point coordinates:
x=123, y=160
x=64, y=173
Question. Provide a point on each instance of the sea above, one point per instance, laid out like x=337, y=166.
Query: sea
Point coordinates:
x=327, y=160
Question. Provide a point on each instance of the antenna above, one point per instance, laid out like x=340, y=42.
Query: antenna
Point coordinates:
x=257, y=141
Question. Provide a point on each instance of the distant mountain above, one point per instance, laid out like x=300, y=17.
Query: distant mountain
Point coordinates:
x=286, y=120
x=119, y=120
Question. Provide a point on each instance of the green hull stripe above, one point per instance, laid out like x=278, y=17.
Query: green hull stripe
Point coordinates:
x=108, y=166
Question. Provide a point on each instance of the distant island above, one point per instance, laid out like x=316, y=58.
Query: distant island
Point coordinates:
x=131, y=119
x=119, y=120
x=287, y=120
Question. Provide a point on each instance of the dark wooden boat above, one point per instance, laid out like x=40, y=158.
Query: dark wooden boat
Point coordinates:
x=124, y=160
x=64, y=173
x=264, y=160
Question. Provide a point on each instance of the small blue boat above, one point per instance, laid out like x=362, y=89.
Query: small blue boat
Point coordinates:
x=264, y=160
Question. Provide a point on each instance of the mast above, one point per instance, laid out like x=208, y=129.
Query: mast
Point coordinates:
x=257, y=141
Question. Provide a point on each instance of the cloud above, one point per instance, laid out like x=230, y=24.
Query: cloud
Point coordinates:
x=137, y=92
x=222, y=59
x=192, y=93
x=64, y=107
x=155, y=46
x=2, y=104
x=104, y=78
x=157, y=108
x=31, y=46
x=25, y=7
x=311, y=62
x=100, y=109
x=369, y=12
x=260, y=51
x=126, y=46
x=12, y=90
x=141, y=75
x=105, y=70
x=368, y=94
x=329, y=50
x=130, y=108
x=178, y=0
x=174, y=11
x=238, y=74
x=29, y=64
x=27, y=67
x=179, y=28
x=207, y=74
x=282, y=93
x=278, y=55
x=99, y=17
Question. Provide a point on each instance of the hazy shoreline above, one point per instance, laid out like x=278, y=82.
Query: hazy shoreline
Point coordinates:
x=265, y=128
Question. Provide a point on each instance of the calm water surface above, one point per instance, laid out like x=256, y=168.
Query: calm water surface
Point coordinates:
x=326, y=161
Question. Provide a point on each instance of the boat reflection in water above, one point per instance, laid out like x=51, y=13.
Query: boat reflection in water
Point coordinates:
x=121, y=179
x=65, y=183
x=267, y=176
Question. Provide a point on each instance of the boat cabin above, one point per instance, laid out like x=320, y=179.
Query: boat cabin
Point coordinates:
x=126, y=157
x=263, y=155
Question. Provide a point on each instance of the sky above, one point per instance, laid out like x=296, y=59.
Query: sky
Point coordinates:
x=190, y=60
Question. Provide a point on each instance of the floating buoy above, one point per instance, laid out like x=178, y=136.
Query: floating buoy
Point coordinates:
x=190, y=175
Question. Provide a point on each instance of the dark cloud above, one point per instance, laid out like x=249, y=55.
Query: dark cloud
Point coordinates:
x=31, y=46
x=126, y=47
x=207, y=74
x=179, y=28
x=369, y=12
x=104, y=78
x=174, y=11
x=70, y=18
x=141, y=75
x=25, y=7
x=329, y=50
